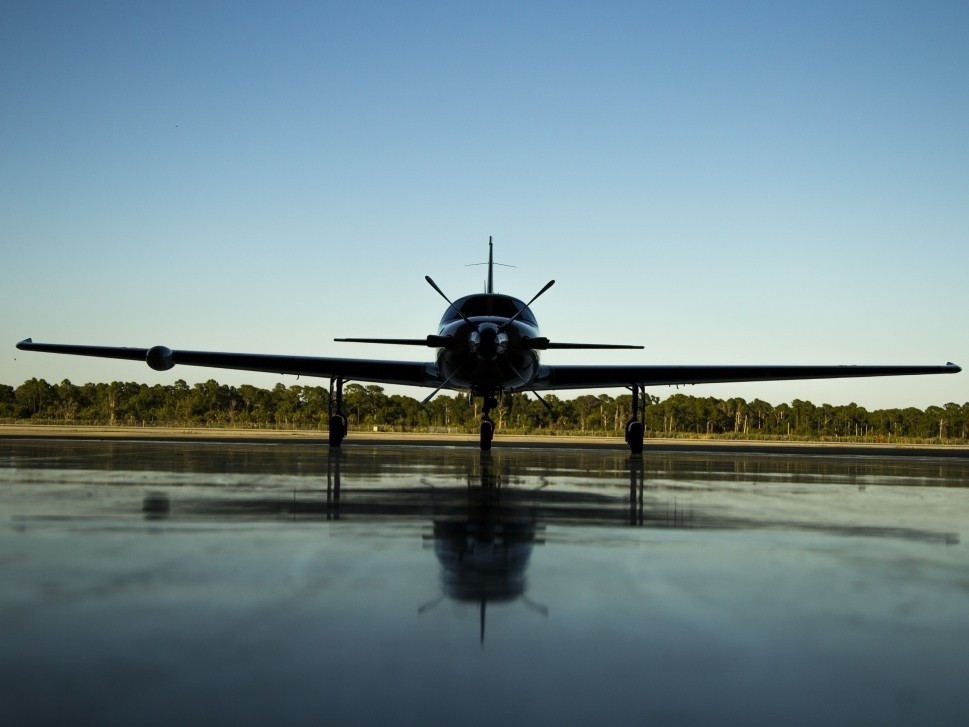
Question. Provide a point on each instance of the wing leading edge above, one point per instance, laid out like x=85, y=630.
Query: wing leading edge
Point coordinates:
x=591, y=377
x=408, y=373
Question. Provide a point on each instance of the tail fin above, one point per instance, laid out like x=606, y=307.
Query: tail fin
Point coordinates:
x=491, y=268
x=490, y=284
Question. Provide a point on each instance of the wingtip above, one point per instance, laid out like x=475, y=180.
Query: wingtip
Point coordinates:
x=25, y=342
x=956, y=368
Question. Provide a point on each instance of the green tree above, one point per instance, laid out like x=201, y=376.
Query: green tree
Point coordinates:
x=35, y=398
x=8, y=401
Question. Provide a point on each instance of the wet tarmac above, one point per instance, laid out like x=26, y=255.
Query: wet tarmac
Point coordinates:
x=248, y=583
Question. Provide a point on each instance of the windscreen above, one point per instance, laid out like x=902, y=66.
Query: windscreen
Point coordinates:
x=488, y=305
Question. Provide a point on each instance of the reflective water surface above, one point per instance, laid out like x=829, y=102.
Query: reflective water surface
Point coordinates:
x=153, y=582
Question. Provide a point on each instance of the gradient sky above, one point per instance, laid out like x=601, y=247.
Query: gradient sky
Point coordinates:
x=735, y=182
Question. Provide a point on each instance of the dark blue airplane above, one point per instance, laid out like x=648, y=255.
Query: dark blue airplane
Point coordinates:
x=488, y=345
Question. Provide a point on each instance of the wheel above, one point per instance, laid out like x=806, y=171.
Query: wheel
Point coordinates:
x=634, y=436
x=338, y=429
x=487, y=434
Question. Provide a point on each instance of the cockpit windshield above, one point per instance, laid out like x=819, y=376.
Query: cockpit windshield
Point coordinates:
x=503, y=306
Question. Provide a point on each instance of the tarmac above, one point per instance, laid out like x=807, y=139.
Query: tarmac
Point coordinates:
x=369, y=438
x=162, y=580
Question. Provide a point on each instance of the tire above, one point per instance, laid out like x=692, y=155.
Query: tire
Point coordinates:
x=338, y=430
x=634, y=435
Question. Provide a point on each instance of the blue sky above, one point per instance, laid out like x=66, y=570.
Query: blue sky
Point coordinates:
x=733, y=182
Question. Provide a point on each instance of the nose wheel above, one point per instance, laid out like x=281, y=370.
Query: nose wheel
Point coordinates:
x=338, y=429
x=487, y=433
x=634, y=436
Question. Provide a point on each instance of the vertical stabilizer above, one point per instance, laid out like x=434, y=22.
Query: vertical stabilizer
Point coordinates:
x=491, y=269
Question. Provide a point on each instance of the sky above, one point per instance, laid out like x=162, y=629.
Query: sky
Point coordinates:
x=721, y=182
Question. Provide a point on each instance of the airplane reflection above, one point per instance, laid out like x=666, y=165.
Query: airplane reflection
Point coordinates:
x=484, y=552
x=493, y=494
x=484, y=529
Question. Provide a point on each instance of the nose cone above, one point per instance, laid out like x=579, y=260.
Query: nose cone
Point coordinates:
x=488, y=342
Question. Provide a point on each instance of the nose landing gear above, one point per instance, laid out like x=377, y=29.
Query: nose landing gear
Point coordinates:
x=487, y=430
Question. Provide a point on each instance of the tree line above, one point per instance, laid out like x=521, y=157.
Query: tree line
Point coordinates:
x=367, y=406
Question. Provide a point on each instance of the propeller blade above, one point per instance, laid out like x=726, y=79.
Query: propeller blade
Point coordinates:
x=517, y=373
x=538, y=607
x=539, y=397
x=429, y=605
x=548, y=285
x=530, y=388
x=443, y=384
x=441, y=293
x=507, y=323
x=430, y=396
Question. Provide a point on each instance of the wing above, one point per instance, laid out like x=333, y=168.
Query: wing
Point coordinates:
x=161, y=358
x=594, y=377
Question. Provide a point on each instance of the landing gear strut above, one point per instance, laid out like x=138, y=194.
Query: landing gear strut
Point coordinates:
x=338, y=420
x=634, y=427
x=487, y=430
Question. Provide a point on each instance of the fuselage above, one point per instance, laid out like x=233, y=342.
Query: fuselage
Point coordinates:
x=491, y=354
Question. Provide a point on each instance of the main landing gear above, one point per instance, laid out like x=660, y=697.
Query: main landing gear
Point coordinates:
x=338, y=420
x=635, y=429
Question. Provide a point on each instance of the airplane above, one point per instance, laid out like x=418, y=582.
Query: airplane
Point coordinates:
x=488, y=345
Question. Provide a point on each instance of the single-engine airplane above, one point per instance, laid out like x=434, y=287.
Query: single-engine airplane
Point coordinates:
x=488, y=345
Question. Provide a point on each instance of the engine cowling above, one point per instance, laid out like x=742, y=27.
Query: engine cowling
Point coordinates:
x=160, y=358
